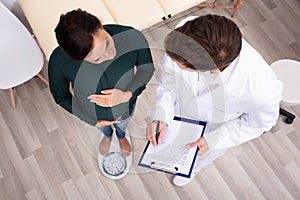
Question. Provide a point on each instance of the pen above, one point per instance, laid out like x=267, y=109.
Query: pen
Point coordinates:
x=157, y=131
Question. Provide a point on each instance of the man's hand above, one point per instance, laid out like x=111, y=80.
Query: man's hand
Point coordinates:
x=151, y=132
x=110, y=98
x=106, y=123
x=201, y=144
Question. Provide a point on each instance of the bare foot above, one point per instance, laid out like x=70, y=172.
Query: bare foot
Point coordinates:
x=104, y=145
x=125, y=146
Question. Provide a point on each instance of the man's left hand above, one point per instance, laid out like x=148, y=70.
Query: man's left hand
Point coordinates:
x=110, y=97
x=201, y=144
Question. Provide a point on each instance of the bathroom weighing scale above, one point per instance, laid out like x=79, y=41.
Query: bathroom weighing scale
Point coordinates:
x=114, y=165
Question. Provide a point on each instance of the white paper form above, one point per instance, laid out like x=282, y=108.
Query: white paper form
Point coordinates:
x=171, y=155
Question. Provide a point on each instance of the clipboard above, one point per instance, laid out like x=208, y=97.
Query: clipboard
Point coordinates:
x=171, y=155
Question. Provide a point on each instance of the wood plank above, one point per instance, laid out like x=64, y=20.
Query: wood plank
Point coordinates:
x=41, y=102
x=260, y=179
x=84, y=189
x=47, y=153
x=96, y=185
x=111, y=188
x=209, y=179
x=280, y=35
x=293, y=170
x=266, y=171
x=125, y=186
x=71, y=190
x=240, y=177
x=158, y=185
x=51, y=168
x=276, y=146
x=294, y=137
x=39, y=178
x=33, y=195
x=28, y=131
x=276, y=166
x=192, y=191
x=289, y=145
x=270, y=4
x=64, y=157
x=14, y=156
x=10, y=182
x=10, y=118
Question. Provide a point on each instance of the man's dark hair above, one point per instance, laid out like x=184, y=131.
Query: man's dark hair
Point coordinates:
x=205, y=43
x=74, y=33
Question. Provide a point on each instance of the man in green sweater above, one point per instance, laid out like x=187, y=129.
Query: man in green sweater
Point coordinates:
x=108, y=67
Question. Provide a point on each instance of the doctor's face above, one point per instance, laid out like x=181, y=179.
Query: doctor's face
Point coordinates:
x=194, y=70
x=103, y=48
x=183, y=66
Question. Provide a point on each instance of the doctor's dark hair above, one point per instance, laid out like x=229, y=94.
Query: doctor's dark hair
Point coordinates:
x=74, y=33
x=205, y=43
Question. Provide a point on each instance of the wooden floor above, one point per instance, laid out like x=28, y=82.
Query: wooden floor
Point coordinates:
x=45, y=153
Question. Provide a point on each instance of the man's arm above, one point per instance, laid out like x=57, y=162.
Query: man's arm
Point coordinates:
x=259, y=118
x=263, y=106
x=144, y=66
x=164, y=106
x=165, y=98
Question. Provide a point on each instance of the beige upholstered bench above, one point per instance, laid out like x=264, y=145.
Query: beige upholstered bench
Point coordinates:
x=43, y=16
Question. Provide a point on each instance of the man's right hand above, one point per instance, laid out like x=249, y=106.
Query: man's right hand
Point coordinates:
x=151, y=132
x=107, y=123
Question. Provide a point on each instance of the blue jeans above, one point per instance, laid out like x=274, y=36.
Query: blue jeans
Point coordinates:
x=120, y=128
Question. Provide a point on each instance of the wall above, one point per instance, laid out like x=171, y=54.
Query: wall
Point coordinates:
x=15, y=8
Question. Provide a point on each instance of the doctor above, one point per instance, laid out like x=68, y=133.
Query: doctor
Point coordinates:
x=211, y=73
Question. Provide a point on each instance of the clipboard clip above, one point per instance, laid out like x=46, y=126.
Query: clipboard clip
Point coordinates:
x=164, y=167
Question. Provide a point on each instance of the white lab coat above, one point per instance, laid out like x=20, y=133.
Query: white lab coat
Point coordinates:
x=239, y=103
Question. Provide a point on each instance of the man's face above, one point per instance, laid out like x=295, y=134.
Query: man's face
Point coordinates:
x=184, y=67
x=194, y=70
x=103, y=48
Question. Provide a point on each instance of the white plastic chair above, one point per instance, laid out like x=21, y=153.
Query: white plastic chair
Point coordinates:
x=20, y=57
x=288, y=71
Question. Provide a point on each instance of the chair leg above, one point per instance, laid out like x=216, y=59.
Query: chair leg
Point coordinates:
x=289, y=116
x=213, y=5
x=12, y=97
x=236, y=7
x=43, y=78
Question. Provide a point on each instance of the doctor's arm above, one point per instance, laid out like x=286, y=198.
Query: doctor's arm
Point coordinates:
x=165, y=98
x=250, y=125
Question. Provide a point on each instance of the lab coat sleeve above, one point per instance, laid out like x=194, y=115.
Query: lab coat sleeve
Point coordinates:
x=165, y=98
x=261, y=116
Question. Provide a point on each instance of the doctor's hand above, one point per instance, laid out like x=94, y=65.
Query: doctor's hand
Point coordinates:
x=151, y=132
x=201, y=144
x=110, y=97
